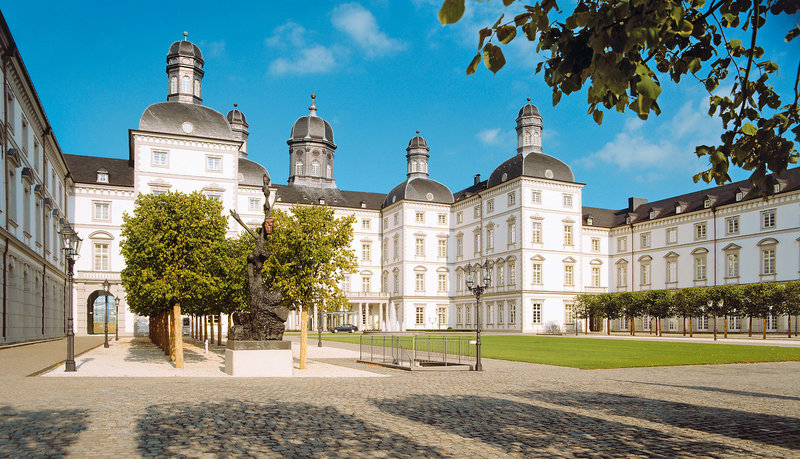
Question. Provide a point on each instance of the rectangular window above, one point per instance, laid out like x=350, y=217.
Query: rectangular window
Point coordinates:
x=732, y=265
x=160, y=158
x=102, y=211
x=512, y=233
x=346, y=284
x=768, y=219
x=459, y=282
x=490, y=206
x=732, y=225
x=768, y=261
x=102, y=177
x=644, y=240
x=490, y=238
x=420, y=247
x=396, y=282
x=366, y=284
x=459, y=318
x=215, y=197
x=420, y=284
x=672, y=324
x=672, y=271
x=512, y=199
x=536, y=233
x=489, y=315
x=101, y=256
x=536, y=197
x=644, y=274
x=537, y=274
x=385, y=222
x=646, y=323
x=622, y=275
x=512, y=313
x=568, y=235
x=567, y=200
x=700, y=268
x=622, y=244
x=569, y=279
x=420, y=315
x=772, y=322
x=595, y=245
x=442, y=282
x=702, y=323
x=460, y=217
x=397, y=218
x=366, y=252
x=569, y=317
x=501, y=277
x=442, y=315
x=700, y=230
x=396, y=247
x=459, y=247
x=512, y=273
x=214, y=163
x=501, y=320
x=476, y=242
x=419, y=217
x=366, y=224
x=476, y=212
x=536, y=317
x=442, y=248
x=595, y=276
x=253, y=203
x=672, y=235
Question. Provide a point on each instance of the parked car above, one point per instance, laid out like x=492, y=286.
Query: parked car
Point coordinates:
x=346, y=328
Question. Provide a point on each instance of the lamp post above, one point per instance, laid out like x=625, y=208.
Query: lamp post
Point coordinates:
x=477, y=289
x=116, y=319
x=71, y=248
x=106, y=286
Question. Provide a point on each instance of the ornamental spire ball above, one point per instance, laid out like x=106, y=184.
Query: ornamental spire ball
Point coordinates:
x=312, y=110
x=185, y=35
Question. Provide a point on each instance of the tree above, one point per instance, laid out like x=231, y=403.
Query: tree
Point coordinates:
x=728, y=300
x=758, y=300
x=232, y=292
x=622, y=49
x=693, y=302
x=309, y=255
x=791, y=305
x=609, y=308
x=658, y=304
x=631, y=305
x=169, y=245
x=587, y=305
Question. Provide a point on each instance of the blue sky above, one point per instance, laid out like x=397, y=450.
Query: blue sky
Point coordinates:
x=381, y=70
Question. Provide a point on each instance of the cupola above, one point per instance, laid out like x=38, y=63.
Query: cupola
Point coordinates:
x=529, y=129
x=239, y=126
x=184, y=72
x=417, y=157
x=311, y=150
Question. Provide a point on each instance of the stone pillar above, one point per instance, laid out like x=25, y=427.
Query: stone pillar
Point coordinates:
x=315, y=318
x=358, y=318
x=381, y=325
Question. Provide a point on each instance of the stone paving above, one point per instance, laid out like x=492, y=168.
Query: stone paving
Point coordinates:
x=509, y=410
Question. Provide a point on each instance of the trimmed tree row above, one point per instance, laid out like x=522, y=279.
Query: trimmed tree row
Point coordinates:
x=754, y=301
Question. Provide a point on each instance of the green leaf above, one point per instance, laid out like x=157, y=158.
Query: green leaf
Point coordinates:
x=507, y=2
x=493, y=57
x=648, y=87
x=506, y=33
x=694, y=65
x=792, y=34
x=473, y=66
x=483, y=34
x=749, y=129
x=556, y=97
x=521, y=19
x=686, y=29
x=733, y=44
x=451, y=11
x=598, y=116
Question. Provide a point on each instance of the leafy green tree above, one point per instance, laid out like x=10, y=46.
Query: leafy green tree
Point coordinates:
x=791, y=305
x=728, y=300
x=658, y=304
x=586, y=306
x=758, y=300
x=169, y=244
x=623, y=50
x=631, y=305
x=693, y=302
x=609, y=308
x=309, y=256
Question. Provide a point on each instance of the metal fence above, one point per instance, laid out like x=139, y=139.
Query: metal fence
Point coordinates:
x=419, y=352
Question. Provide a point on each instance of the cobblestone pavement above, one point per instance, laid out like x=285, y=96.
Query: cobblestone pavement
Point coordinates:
x=509, y=410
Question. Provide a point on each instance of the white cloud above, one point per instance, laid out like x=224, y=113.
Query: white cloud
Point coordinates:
x=289, y=33
x=212, y=48
x=489, y=136
x=360, y=25
x=315, y=59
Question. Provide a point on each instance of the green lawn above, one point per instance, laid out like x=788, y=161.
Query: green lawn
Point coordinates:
x=588, y=353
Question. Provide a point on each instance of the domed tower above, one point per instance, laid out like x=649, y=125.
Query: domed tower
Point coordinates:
x=417, y=156
x=311, y=151
x=184, y=72
x=529, y=129
x=239, y=127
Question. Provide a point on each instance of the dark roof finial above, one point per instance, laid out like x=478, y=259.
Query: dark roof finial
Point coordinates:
x=235, y=105
x=312, y=110
x=185, y=35
x=417, y=131
x=529, y=99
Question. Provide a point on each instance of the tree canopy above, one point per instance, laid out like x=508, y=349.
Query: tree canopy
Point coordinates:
x=622, y=51
x=170, y=245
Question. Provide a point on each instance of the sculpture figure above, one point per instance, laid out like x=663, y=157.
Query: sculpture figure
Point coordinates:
x=265, y=321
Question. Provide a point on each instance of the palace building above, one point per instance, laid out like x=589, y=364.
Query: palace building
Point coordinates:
x=414, y=243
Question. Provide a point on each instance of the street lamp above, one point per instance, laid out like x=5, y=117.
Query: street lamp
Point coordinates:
x=106, y=286
x=483, y=273
x=72, y=244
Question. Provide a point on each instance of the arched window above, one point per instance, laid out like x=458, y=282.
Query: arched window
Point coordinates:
x=328, y=171
x=315, y=168
x=423, y=166
x=186, y=85
x=298, y=168
x=197, y=88
x=173, y=85
x=414, y=166
x=526, y=138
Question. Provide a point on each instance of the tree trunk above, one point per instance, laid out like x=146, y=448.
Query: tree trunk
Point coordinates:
x=789, y=326
x=173, y=341
x=165, y=333
x=211, y=330
x=764, y=329
x=194, y=327
x=303, y=338
x=177, y=335
x=204, y=321
x=586, y=331
x=230, y=324
x=633, y=327
x=659, y=327
x=691, y=328
x=726, y=328
x=608, y=325
x=684, y=325
x=219, y=329
x=750, y=332
x=715, y=327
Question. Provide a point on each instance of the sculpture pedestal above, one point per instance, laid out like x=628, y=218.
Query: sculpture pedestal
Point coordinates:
x=259, y=358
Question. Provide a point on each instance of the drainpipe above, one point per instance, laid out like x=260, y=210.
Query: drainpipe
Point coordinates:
x=633, y=270
x=5, y=289
x=44, y=278
x=46, y=132
x=714, y=219
x=5, y=181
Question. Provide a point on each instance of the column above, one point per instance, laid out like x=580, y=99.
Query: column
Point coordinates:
x=360, y=312
x=315, y=318
x=381, y=324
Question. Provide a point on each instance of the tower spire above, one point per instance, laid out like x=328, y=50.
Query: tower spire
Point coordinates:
x=312, y=110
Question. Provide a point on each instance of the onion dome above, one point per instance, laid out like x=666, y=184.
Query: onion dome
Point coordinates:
x=312, y=127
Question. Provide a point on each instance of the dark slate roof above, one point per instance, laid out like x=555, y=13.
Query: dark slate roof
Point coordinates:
x=312, y=127
x=471, y=191
x=167, y=117
x=694, y=201
x=185, y=48
x=420, y=189
x=83, y=169
x=236, y=116
x=528, y=110
x=531, y=165
x=417, y=142
x=251, y=173
x=333, y=197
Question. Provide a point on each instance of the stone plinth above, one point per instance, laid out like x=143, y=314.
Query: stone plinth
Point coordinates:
x=258, y=358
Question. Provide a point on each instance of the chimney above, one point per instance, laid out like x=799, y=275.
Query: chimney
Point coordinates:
x=477, y=179
x=633, y=203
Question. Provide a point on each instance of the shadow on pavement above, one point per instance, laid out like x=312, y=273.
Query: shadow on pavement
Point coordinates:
x=524, y=429
x=250, y=429
x=720, y=390
x=39, y=433
x=743, y=425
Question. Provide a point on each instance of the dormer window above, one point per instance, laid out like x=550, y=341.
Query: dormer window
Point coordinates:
x=677, y=208
x=363, y=205
x=102, y=176
x=776, y=188
x=707, y=203
x=739, y=196
x=590, y=220
x=321, y=201
x=652, y=214
x=628, y=220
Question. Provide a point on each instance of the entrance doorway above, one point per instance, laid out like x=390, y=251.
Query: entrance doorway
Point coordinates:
x=96, y=313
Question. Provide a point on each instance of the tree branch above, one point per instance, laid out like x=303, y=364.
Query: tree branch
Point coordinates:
x=750, y=57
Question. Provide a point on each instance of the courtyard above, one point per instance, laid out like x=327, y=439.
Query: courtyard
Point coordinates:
x=511, y=409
